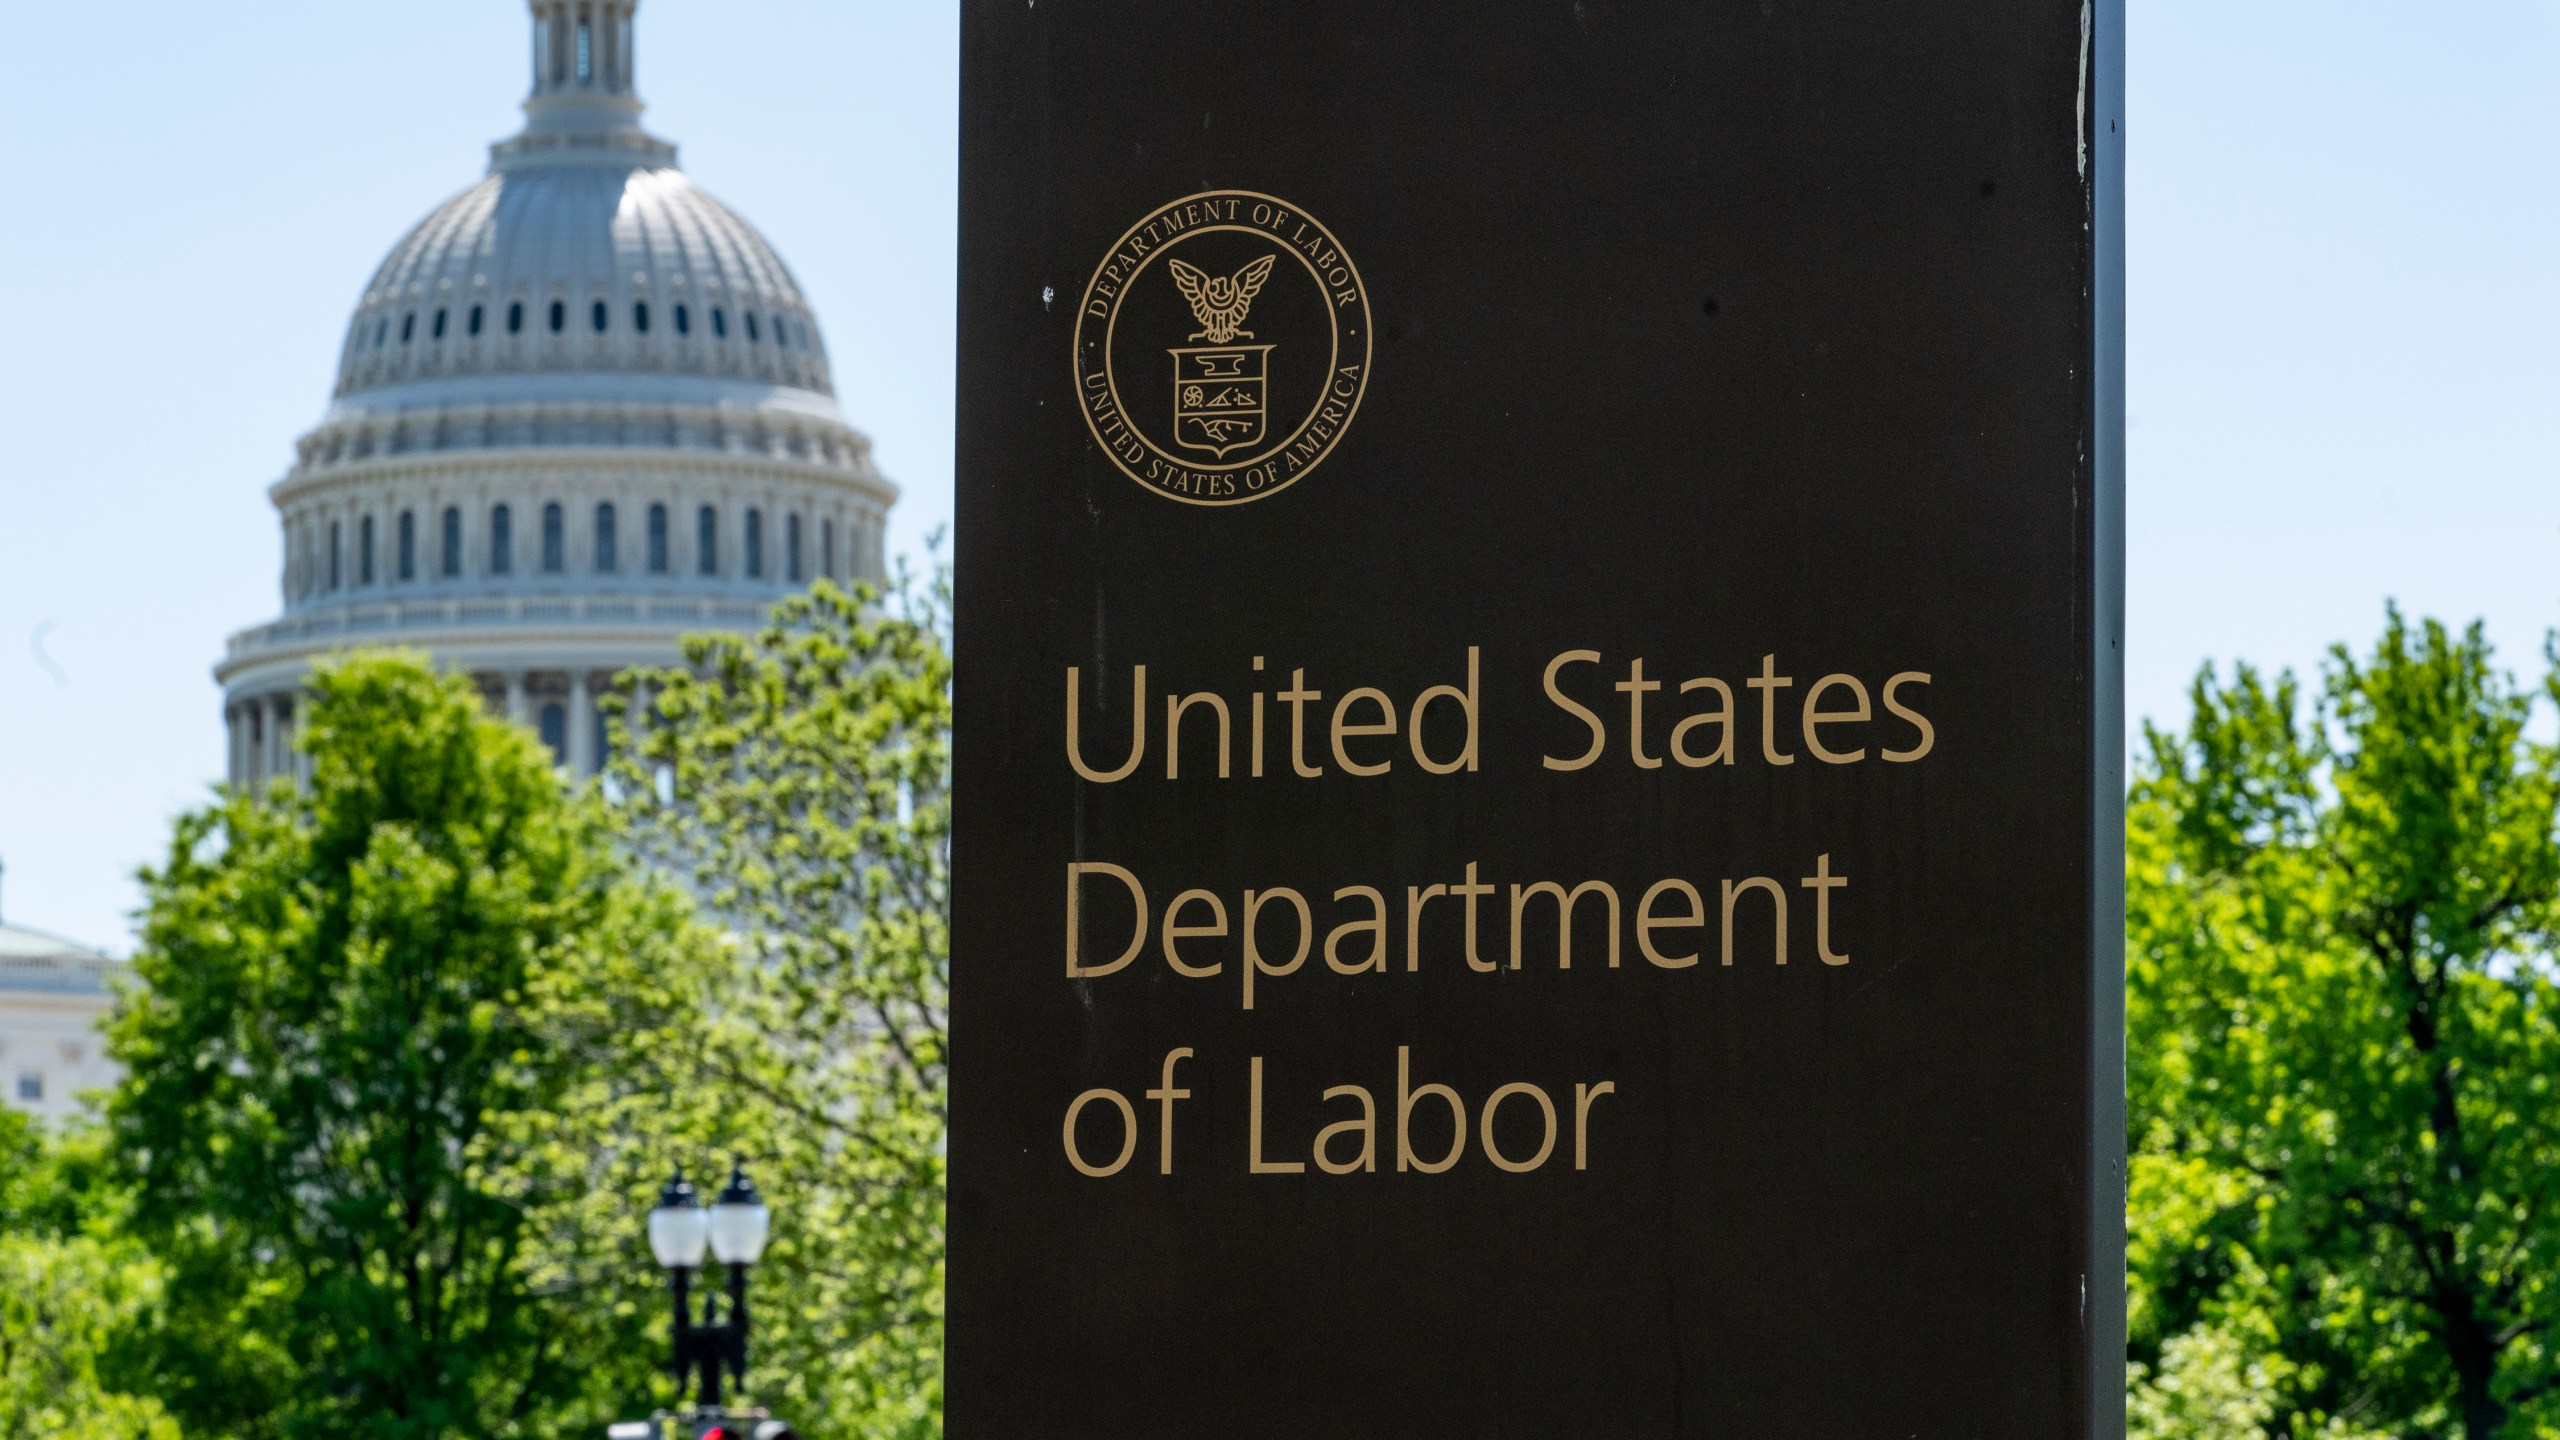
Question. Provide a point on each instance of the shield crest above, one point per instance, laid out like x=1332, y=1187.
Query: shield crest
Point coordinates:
x=1219, y=397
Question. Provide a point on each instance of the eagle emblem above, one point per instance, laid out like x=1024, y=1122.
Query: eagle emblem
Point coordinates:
x=1245, y=417
x=1219, y=302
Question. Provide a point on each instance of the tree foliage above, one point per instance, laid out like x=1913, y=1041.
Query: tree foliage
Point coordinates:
x=369, y=1006
x=2346, y=1043
x=72, y=1285
x=800, y=778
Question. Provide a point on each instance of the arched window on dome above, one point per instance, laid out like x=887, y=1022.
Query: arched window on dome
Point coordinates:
x=791, y=548
x=781, y=332
x=337, y=540
x=452, y=566
x=554, y=723
x=752, y=336
x=827, y=549
x=381, y=331
x=502, y=540
x=364, y=551
x=474, y=325
x=408, y=558
x=684, y=321
x=601, y=316
x=559, y=316
x=657, y=539
x=706, y=540
x=515, y=317
x=640, y=316
x=554, y=541
x=605, y=557
x=438, y=332
x=719, y=322
x=755, y=544
x=408, y=327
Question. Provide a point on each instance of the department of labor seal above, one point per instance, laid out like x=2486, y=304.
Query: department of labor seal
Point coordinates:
x=1222, y=348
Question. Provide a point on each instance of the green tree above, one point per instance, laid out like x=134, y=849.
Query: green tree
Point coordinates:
x=72, y=1286
x=2346, y=1043
x=366, y=1003
x=800, y=778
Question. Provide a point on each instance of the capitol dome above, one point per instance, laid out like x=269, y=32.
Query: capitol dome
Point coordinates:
x=508, y=276
x=582, y=409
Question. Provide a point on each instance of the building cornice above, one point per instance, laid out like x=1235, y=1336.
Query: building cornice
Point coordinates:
x=504, y=621
x=309, y=482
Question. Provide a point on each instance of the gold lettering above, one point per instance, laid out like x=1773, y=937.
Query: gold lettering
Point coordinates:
x=1822, y=882
x=1599, y=733
x=1128, y=1133
x=1721, y=717
x=1733, y=891
x=1414, y=900
x=1521, y=896
x=1253, y=1139
x=1344, y=729
x=1472, y=892
x=1296, y=698
x=1254, y=900
x=1405, y=1098
x=1647, y=922
x=1546, y=1145
x=1173, y=712
x=1174, y=930
x=1165, y=1095
x=1366, y=1127
x=1137, y=728
x=1376, y=925
x=1466, y=704
x=1583, y=1095
x=1815, y=717
x=1257, y=724
x=1919, y=722
x=1076, y=871
x=1636, y=688
x=1769, y=684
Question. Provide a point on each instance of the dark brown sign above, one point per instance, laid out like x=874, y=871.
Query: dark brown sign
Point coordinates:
x=1539, y=752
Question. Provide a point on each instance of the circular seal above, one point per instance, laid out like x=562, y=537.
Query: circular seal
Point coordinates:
x=1222, y=348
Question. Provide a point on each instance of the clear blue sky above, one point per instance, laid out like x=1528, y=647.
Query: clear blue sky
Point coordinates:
x=2344, y=379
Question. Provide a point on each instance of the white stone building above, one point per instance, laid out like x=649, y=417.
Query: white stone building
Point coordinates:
x=53, y=994
x=582, y=409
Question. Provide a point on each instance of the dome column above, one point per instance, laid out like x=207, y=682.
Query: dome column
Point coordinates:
x=582, y=45
x=278, y=747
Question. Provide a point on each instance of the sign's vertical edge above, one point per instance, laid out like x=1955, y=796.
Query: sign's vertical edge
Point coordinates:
x=958, y=924
x=2104, y=117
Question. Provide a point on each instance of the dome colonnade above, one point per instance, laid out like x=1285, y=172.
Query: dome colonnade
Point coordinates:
x=582, y=409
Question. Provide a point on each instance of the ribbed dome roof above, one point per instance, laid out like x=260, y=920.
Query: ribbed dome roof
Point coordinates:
x=585, y=252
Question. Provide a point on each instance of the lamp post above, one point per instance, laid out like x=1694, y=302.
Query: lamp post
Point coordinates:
x=733, y=1230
